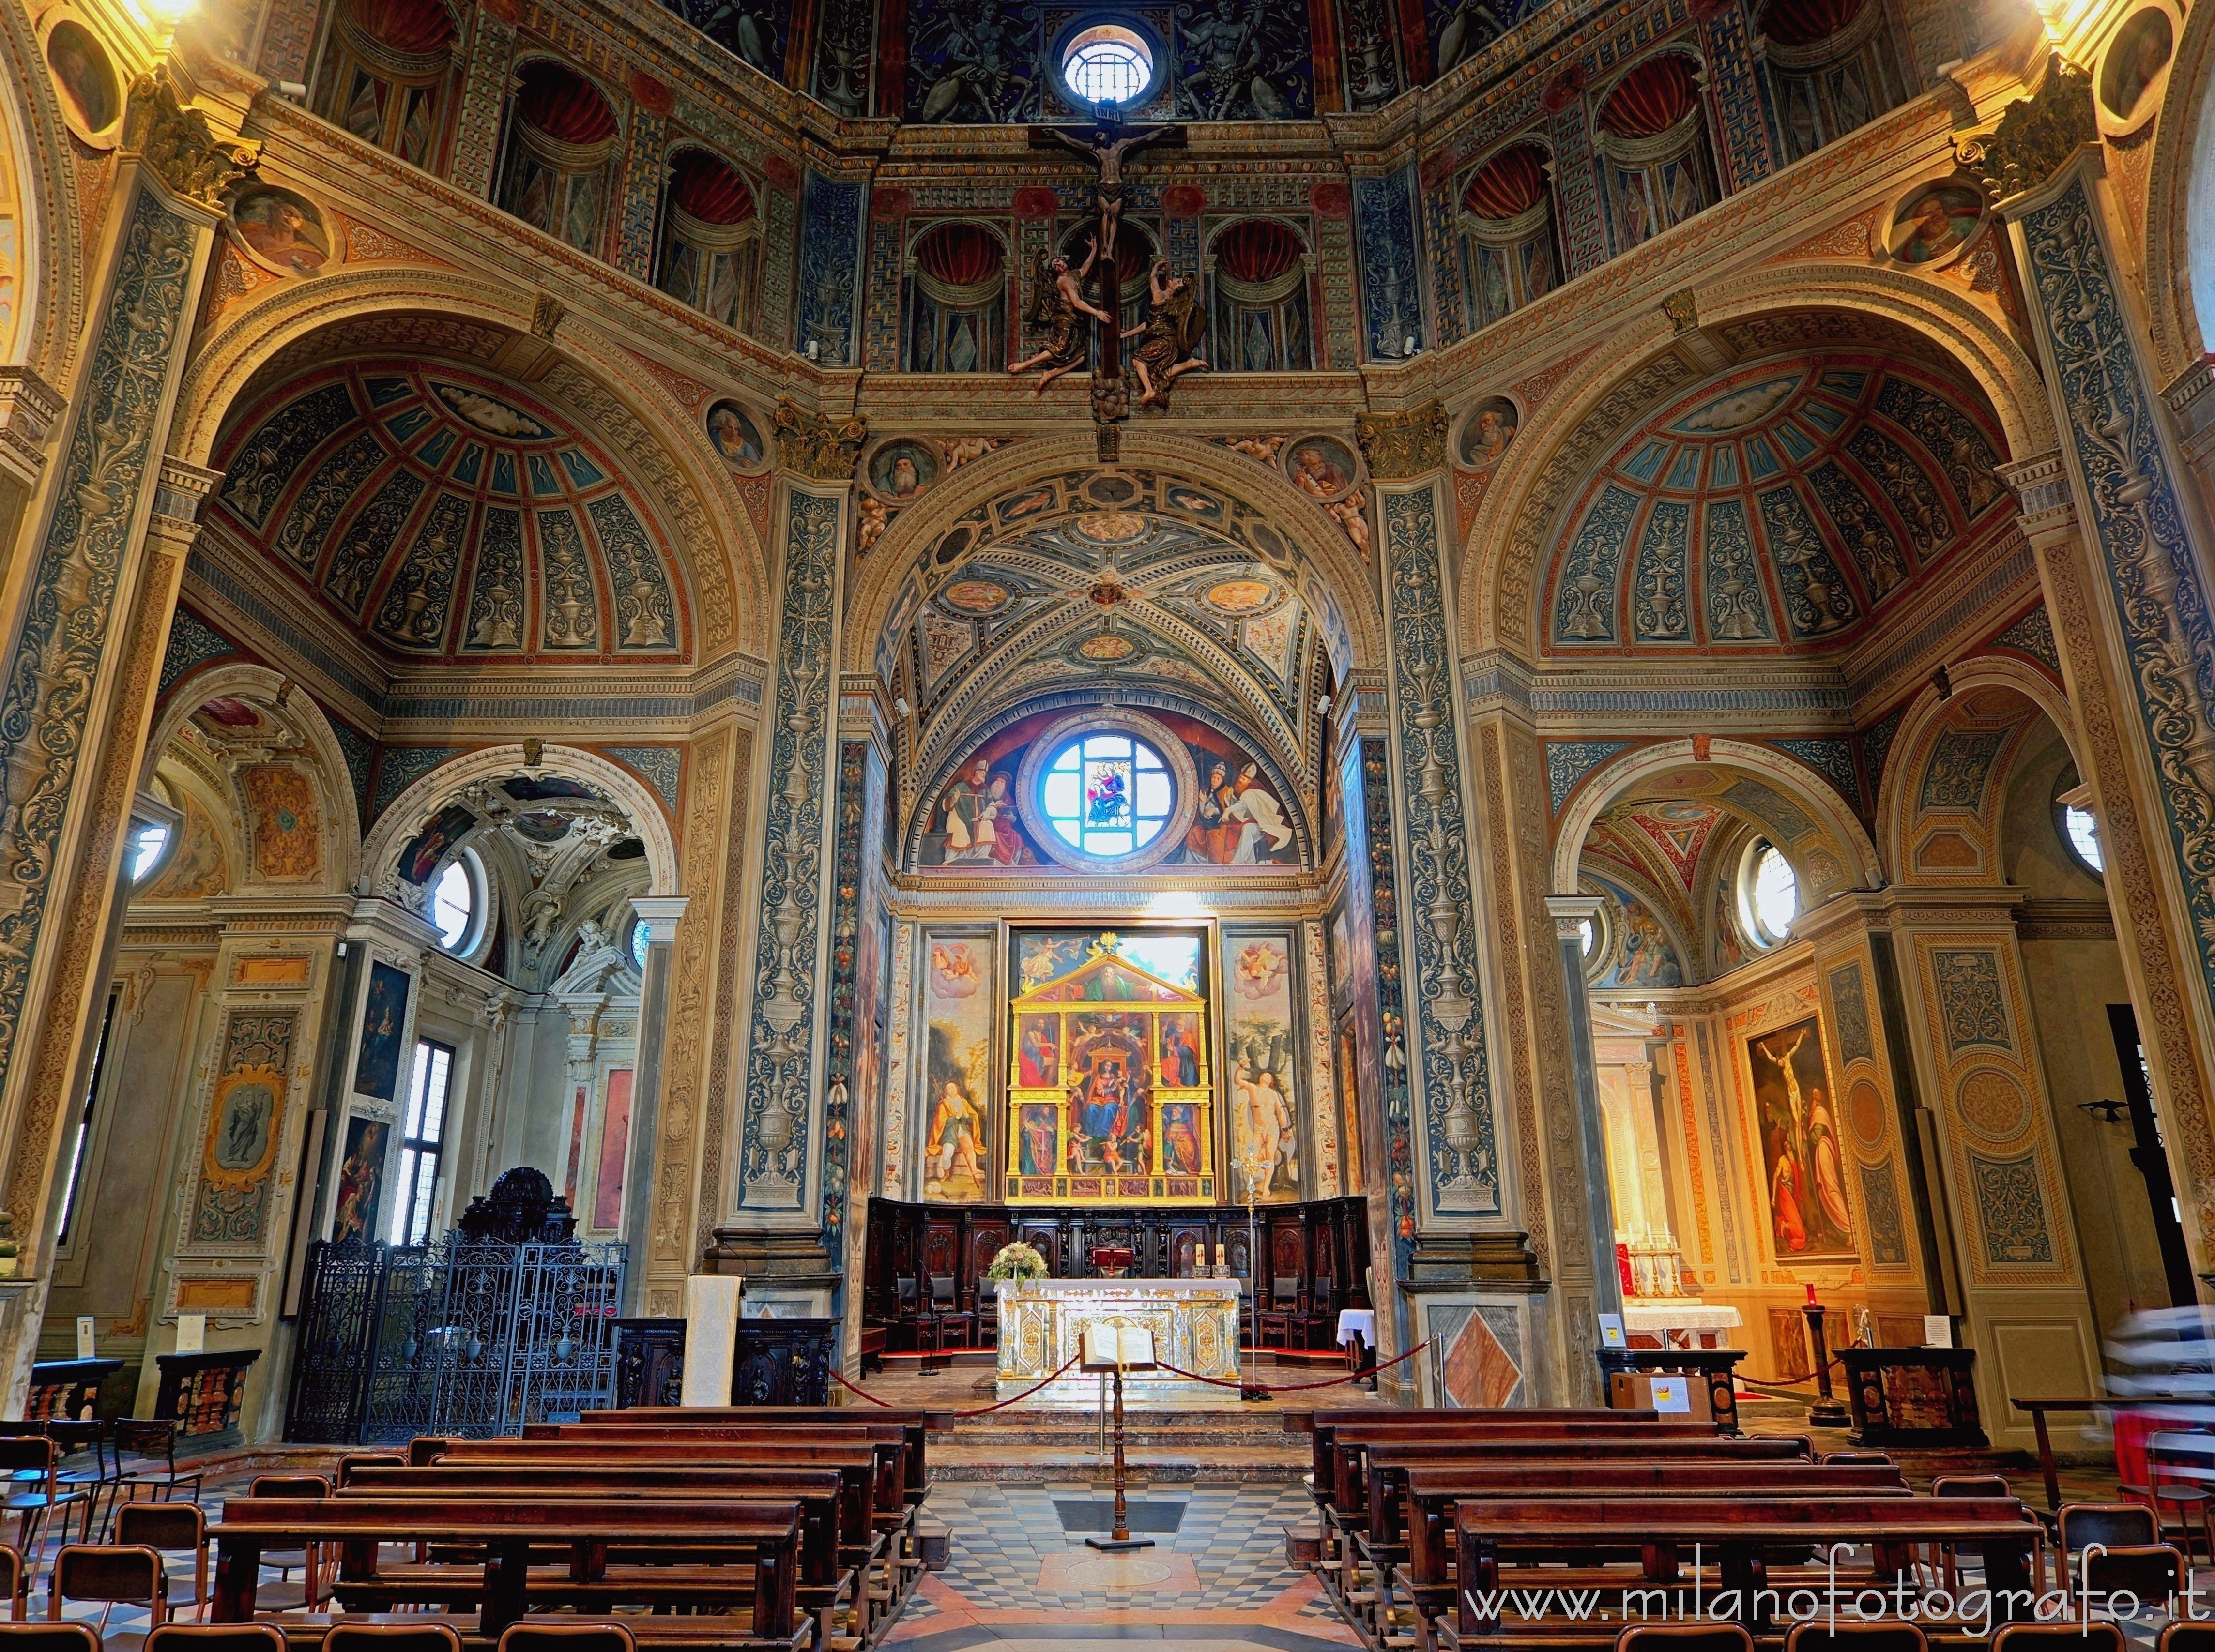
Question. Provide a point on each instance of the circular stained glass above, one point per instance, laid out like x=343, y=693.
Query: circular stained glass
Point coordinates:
x=1107, y=795
x=1107, y=64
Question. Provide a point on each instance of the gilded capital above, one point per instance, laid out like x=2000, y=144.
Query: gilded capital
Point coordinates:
x=1401, y=445
x=2036, y=135
x=826, y=449
x=179, y=145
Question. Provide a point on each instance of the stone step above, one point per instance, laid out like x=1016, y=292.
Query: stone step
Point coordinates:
x=1160, y=1464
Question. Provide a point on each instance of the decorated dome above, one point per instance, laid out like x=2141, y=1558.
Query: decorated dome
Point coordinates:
x=1777, y=505
x=449, y=515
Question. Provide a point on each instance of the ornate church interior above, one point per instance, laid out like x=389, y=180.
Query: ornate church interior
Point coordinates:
x=750, y=709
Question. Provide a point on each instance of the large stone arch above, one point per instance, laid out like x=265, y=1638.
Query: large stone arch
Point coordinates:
x=403, y=819
x=2180, y=203
x=51, y=295
x=342, y=865
x=374, y=310
x=1343, y=569
x=1797, y=783
x=1570, y=433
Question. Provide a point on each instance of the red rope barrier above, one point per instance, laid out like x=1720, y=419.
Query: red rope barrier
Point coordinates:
x=982, y=1410
x=1293, y=1387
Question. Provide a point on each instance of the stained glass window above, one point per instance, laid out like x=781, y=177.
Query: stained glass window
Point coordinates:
x=1107, y=794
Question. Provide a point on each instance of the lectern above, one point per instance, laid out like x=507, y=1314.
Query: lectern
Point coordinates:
x=1118, y=1347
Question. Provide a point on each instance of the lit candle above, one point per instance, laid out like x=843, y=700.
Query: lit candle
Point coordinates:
x=1811, y=1296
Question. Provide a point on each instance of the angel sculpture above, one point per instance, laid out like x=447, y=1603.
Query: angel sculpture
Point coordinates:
x=1171, y=333
x=1057, y=302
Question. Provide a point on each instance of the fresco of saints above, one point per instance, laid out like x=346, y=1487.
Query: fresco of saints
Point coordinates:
x=953, y=1146
x=1037, y=1059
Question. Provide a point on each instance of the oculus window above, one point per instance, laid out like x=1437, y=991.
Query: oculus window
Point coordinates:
x=1769, y=894
x=456, y=899
x=1107, y=795
x=2082, y=832
x=1107, y=64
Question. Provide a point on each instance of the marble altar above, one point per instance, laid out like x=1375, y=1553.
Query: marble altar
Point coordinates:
x=1194, y=1324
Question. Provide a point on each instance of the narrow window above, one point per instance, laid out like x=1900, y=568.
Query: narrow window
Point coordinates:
x=82, y=1145
x=422, y=1139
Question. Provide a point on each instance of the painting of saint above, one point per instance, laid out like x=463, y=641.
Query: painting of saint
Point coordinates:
x=1637, y=209
x=421, y=856
x=955, y=1076
x=953, y=1146
x=1484, y=439
x=1936, y=223
x=2135, y=61
x=377, y=1069
x=1265, y=1144
x=1038, y=1055
x=1238, y=821
x=970, y=811
x=1809, y=1218
x=1181, y=1154
x=283, y=230
x=82, y=77
x=1109, y=1124
x=1035, y=1143
x=1179, y=1056
x=734, y=436
x=1321, y=469
x=361, y=1181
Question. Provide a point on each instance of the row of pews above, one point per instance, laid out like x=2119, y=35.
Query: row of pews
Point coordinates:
x=788, y=1529
x=1550, y=1531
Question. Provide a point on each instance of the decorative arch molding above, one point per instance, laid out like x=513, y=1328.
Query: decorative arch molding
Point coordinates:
x=708, y=521
x=404, y=816
x=936, y=779
x=1597, y=403
x=2182, y=166
x=1896, y=808
x=1345, y=573
x=259, y=682
x=51, y=289
x=1798, y=785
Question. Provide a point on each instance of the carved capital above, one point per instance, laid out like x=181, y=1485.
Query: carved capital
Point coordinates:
x=1399, y=446
x=179, y=144
x=1571, y=913
x=2036, y=135
x=28, y=409
x=2041, y=485
x=824, y=450
x=178, y=496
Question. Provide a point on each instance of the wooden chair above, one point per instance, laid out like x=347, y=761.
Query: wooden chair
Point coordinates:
x=1276, y=1319
x=2152, y=1574
x=2184, y=1636
x=1974, y=1485
x=48, y=1637
x=1850, y=1637
x=1684, y=1638
x=216, y=1638
x=392, y=1638
x=2117, y=1524
x=308, y=1556
x=2049, y=1638
x=535, y=1635
x=15, y=1578
x=1865, y=1456
x=169, y=1528
x=108, y=1573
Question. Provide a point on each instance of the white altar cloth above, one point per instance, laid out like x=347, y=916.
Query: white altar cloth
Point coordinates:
x=1661, y=1318
x=1194, y=1324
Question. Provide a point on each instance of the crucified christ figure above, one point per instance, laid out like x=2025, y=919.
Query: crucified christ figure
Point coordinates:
x=1105, y=151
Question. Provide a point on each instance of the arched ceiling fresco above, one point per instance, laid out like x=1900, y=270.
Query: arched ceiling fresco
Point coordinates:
x=446, y=515
x=1094, y=582
x=1777, y=505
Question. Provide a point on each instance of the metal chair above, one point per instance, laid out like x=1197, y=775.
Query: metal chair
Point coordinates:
x=31, y=1466
x=108, y=1573
x=537, y=1634
x=169, y=1528
x=345, y=1637
x=146, y=1455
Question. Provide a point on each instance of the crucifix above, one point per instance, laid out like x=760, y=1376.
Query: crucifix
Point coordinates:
x=1110, y=141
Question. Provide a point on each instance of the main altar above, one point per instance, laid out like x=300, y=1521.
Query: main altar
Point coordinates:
x=1194, y=1324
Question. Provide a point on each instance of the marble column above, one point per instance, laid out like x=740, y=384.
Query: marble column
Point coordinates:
x=1571, y=913
x=660, y=914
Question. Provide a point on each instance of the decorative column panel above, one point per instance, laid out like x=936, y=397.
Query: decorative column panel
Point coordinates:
x=484, y=95
x=1388, y=241
x=830, y=269
x=853, y=1058
x=2044, y=161
x=1734, y=82
x=30, y=409
x=72, y=719
x=1459, y=1169
x=644, y=169
x=661, y=914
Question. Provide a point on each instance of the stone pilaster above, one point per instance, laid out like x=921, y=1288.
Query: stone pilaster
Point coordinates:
x=661, y=914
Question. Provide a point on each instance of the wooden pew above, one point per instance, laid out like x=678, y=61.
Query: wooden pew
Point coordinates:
x=506, y=1530
x=1324, y=1424
x=892, y=1438
x=1350, y=1444
x=1738, y=1532
x=917, y=1420
x=884, y=1460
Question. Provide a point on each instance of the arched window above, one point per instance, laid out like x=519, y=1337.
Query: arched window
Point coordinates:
x=385, y=74
x=1107, y=795
x=1830, y=69
x=1261, y=299
x=711, y=240
x=459, y=903
x=561, y=140
x=1507, y=233
x=1654, y=140
x=1768, y=894
x=958, y=314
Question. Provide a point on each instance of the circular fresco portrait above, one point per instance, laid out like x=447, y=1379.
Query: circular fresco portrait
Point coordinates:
x=1935, y=223
x=1105, y=648
x=283, y=230
x=736, y=436
x=974, y=596
x=83, y=77
x=901, y=469
x=2141, y=51
x=1487, y=431
x=1240, y=598
x=1321, y=466
x=1111, y=527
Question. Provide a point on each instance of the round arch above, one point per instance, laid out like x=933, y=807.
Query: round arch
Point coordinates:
x=373, y=308
x=404, y=816
x=51, y=288
x=259, y=682
x=1799, y=784
x=2181, y=195
x=1502, y=549
x=1342, y=570
x=1894, y=813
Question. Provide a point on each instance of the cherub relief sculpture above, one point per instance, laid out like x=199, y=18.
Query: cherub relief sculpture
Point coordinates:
x=1171, y=334
x=1058, y=304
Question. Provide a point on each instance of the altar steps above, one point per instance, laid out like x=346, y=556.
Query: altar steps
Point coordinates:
x=1161, y=1445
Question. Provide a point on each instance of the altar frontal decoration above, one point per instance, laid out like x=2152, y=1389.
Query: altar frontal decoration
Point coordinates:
x=1111, y=1089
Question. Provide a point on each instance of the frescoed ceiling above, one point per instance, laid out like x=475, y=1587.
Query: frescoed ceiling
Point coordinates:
x=447, y=515
x=1778, y=504
x=1127, y=582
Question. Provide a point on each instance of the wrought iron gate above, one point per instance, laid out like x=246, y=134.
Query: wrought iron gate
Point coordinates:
x=461, y=1337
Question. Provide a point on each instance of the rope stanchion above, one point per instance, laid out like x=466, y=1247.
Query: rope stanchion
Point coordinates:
x=1293, y=1387
x=863, y=1392
x=982, y=1410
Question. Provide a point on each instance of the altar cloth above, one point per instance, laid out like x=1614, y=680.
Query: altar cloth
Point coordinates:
x=1194, y=1323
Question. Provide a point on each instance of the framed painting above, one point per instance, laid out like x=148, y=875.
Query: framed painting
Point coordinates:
x=1802, y=1162
x=383, y=1020
x=361, y=1181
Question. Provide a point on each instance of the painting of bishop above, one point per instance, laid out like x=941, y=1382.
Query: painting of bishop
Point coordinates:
x=959, y=1012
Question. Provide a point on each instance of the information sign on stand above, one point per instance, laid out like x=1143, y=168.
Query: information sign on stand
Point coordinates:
x=1116, y=1346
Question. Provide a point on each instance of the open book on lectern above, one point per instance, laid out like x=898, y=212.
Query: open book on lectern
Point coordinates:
x=1107, y=1347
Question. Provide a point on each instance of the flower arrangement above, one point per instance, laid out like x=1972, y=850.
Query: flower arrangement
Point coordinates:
x=1016, y=1262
